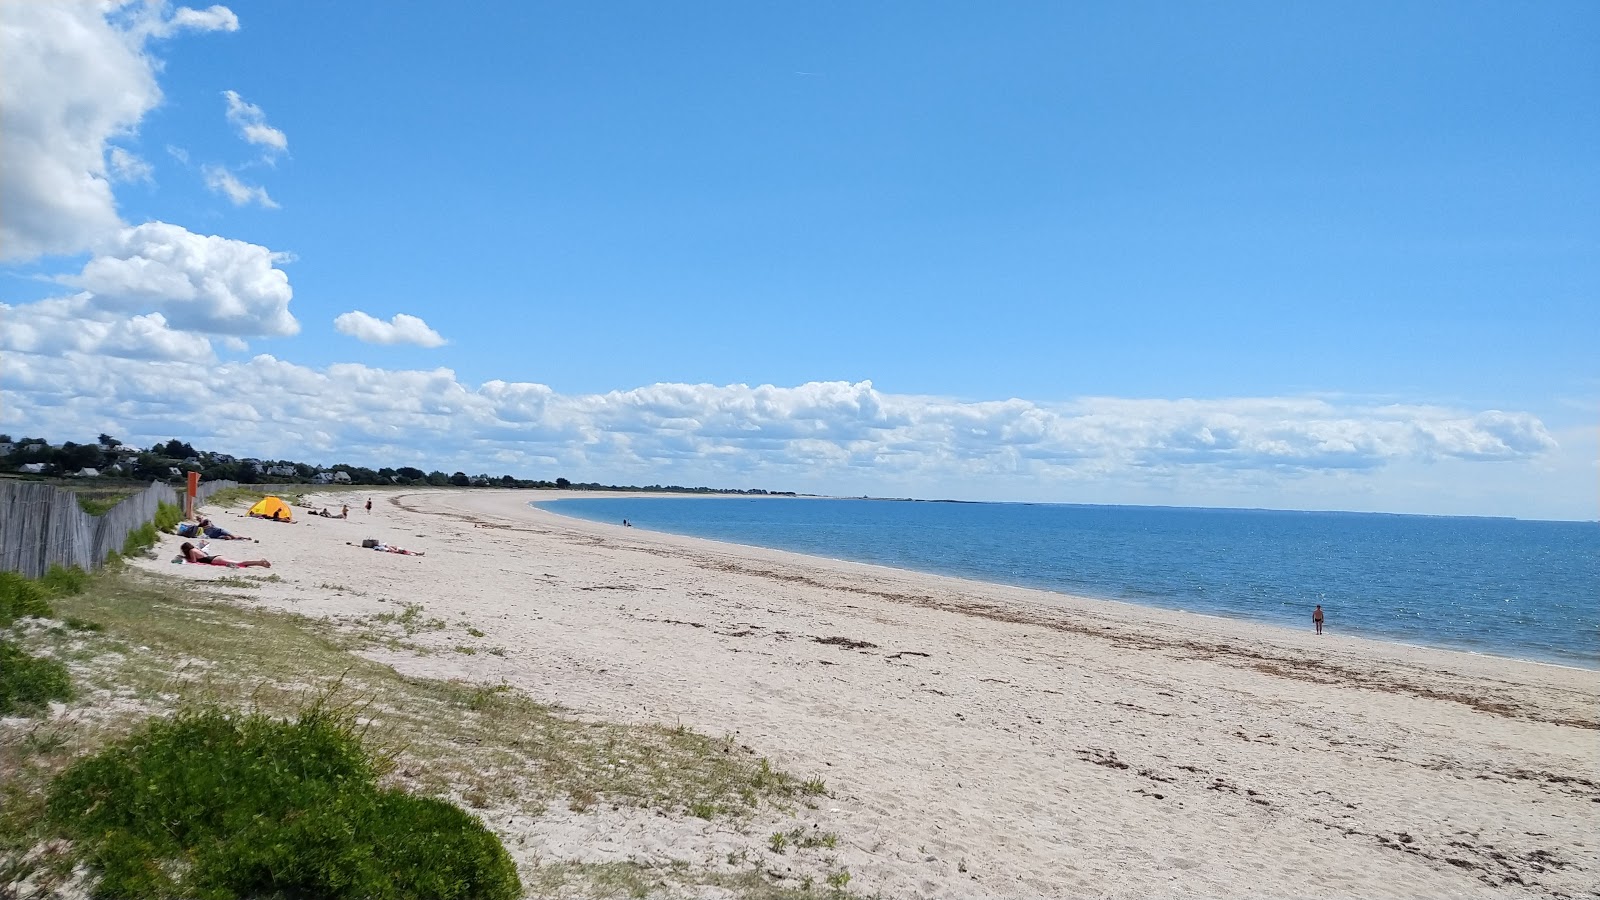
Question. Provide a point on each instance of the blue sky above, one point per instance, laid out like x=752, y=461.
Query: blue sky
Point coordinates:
x=1240, y=254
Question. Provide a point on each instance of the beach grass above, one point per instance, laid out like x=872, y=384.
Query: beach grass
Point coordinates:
x=166, y=644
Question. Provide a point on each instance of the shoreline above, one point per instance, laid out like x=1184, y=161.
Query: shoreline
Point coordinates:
x=1560, y=663
x=979, y=740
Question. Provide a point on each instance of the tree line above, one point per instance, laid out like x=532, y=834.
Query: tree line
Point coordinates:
x=171, y=460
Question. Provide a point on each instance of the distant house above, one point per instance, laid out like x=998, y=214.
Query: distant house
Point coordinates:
x=341, y=478
x=323, y=478
x=87, y=472
x=114, y=467
x=174, y=471
x=6, y=447
x=31, y=468
x=282, y=471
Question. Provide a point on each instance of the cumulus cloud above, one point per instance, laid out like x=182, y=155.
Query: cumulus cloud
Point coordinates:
x=825, y=436
x=402, y=329
x=215, y=18
x=252, y=124
x=72, y=82
x=125, y=166
x=77, y=76
x=208, y=284
x=74, y=325
x=224, y=182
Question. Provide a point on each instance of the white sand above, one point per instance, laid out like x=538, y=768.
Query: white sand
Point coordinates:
x=1047, y=745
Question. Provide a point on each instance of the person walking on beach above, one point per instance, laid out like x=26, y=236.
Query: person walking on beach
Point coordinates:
x=369, y=506
x=1316, y=618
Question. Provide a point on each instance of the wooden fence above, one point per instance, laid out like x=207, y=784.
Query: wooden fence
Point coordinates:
x=42, y=525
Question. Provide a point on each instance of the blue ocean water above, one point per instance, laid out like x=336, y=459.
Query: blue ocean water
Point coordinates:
x=1501, y=586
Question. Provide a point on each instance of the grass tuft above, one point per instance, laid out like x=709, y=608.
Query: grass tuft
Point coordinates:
x=21, y=598
x=28, y=682
x=64, y=582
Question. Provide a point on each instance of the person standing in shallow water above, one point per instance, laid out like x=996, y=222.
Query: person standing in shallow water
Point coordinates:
x=1316, y=618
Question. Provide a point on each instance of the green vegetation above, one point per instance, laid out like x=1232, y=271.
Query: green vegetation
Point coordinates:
x=62, y=581
x=217, y=805
x=97, y=500
x=28, y=682
x=168, y=515
x=144, y=537
x=21, y=598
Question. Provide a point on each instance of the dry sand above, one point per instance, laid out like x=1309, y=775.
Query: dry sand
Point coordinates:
x=986, y=741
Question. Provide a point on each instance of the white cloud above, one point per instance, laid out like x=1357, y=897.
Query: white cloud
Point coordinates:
x=830, y=437
x=126, y=166
x=209, y=284
x=224, y=182
x=252, y=124
x=215, y=18
x=178, y=153
x=402, y=329
x=76, y=76
x=72, y=82
x=74, y=325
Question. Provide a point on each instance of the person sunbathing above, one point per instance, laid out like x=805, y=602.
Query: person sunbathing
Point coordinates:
x=217, y=533
x=200, y=556
x=387, y=548
x=390, y=548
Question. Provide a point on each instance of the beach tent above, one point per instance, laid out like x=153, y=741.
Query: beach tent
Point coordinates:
x=270, y=505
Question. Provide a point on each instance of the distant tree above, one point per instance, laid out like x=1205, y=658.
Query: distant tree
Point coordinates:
x=563, y=483
x=411, y=474
x=73, y=457
x=176, y=449
x=107, y=441
x=507, y=480
x=438, y=478
x=460, y=479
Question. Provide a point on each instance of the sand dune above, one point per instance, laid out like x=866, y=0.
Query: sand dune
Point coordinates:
x=984, y=741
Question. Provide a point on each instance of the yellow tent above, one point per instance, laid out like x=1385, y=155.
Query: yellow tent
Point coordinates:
x=272, y=507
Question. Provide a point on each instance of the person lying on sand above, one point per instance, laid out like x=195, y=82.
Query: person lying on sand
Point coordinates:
x=199, y=556
x=218, y=533
x=390, y=548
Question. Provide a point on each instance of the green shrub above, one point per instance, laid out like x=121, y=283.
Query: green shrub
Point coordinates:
x=61, y=581
x=139, y=540
x=96, y=505
x=20, y=598
x=167, y=516
x=28, y=682
x=224, y=805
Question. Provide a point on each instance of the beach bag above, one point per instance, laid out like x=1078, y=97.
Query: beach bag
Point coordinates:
x=369, y=543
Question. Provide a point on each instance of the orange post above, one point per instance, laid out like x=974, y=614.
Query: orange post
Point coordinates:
x=188, y=499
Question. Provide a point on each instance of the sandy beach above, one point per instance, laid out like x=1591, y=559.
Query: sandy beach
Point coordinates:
x=986, y=741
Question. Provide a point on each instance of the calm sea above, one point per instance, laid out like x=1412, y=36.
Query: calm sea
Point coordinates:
x=1500, y=586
